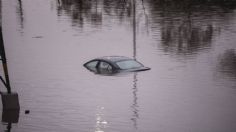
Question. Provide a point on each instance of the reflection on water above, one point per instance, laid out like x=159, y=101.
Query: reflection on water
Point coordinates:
x=81, y=12
x=135, y=106
x=91, y=12
x=184, y=42
x=227, y=63
x=20, y=12
x=185, y=29
x=188, y=26
x=101, y=123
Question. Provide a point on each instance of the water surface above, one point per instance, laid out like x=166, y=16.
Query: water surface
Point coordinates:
x=190, y=49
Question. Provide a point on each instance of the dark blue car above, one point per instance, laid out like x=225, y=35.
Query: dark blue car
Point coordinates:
x=114, y=64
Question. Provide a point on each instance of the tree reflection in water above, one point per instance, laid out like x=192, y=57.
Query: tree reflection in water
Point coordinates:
x=188, y=26
x=80, y=11
x=227, y=63
x=84, y=11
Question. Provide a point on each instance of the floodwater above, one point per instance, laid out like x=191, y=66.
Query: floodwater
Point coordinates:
x=190, y=49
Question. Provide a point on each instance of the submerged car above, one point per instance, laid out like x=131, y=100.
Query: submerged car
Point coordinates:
x=114, y=64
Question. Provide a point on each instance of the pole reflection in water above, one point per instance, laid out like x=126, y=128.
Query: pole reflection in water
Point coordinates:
x=20, y=12
x=134, y=106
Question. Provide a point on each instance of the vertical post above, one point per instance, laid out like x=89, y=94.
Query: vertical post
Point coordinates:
x=135, y=90
x=4, y=63
x=134, y=28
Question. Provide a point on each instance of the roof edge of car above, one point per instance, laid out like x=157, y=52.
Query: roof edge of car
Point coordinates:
x=116, y=58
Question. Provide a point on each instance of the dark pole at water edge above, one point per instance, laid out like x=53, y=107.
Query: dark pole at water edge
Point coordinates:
x=4, y=64
x=10, y=101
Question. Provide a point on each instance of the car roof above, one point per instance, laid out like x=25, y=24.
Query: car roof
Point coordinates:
x=113, y=58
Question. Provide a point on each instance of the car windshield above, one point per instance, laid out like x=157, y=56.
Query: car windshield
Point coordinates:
x=128, y=64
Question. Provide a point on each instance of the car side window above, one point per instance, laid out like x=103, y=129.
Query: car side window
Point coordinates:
x=92, y=64
x=105, y=66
